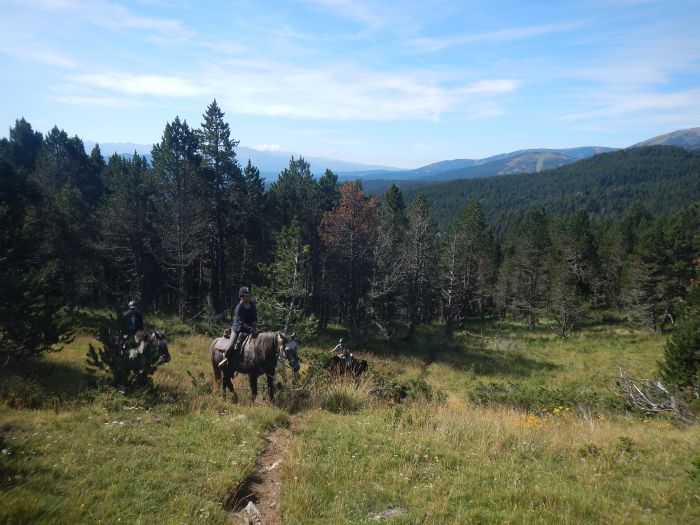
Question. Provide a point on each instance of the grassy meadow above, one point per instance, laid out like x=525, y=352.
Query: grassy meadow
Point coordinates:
x=499, y=423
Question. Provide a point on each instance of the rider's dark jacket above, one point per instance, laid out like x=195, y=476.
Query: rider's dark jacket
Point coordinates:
x=134, y=321
x=243, y=318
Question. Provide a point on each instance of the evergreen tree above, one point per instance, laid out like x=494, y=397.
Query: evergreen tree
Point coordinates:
x=225, y=194
x=387, y=288
x=181, y=209
x=32, y=320
x=71, y=191
x=127, y=231
x=681, y=364
x=421, y=267
x=280, y=302
x=468, y=266
x=524, y=277
x=252, y=239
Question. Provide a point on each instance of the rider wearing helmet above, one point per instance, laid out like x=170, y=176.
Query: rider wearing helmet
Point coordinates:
x=134, y=319
x=245, y=319
x=342, y=351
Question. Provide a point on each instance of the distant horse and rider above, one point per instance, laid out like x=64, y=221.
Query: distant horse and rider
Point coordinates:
x=344, y=363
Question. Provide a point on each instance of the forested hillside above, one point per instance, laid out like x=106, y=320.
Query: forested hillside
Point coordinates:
x=183, y=234
x=662, y=178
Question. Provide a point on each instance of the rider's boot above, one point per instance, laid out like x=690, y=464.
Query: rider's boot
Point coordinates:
x=233, y=348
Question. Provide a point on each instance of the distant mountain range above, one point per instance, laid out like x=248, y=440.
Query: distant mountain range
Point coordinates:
x=684, y=138
x=270, y=163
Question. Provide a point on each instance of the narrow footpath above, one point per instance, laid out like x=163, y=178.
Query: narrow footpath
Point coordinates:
x=257, y=501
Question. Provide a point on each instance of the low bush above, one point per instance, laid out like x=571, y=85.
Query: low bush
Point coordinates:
x=536, y=398
x=346, y=396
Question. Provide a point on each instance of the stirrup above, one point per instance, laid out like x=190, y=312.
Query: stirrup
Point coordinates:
x=223, y=362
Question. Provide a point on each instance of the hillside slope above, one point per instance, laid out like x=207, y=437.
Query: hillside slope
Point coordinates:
x=684, y=138
x=662, y=178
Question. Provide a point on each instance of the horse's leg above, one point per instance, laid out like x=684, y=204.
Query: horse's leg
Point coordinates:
x=253, y=386
x=224, y=381
x=217, y=372
x=271, y=386
x=229, y=385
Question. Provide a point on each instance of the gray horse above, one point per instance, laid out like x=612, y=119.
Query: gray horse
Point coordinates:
x=259, y=356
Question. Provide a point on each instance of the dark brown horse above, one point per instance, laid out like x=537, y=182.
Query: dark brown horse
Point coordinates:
x=259, y=356
x=355, y=368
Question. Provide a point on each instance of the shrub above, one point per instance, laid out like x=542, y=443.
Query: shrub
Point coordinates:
x=119, y=358
x=681, y=364
x=589, y=450
x=541, y=397
x=345, y=396
x=21, y=394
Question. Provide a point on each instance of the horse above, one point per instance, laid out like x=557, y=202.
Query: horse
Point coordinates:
x=259, y=356
x=146, y=339
x=355, y=368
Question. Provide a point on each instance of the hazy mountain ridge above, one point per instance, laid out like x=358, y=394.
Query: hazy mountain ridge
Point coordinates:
x=271, y=163
x=684, y=138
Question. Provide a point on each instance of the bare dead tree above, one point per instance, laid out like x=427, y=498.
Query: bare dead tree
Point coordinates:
x=650, y=396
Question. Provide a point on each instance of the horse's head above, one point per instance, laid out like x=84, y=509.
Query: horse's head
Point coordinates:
x=158, y=338
x=288, y=350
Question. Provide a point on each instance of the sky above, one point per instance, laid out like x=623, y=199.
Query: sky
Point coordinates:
x=391, y=83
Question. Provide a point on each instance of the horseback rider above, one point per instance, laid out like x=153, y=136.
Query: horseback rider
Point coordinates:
x=245, y=320
x=342, y=351
x=134, y=319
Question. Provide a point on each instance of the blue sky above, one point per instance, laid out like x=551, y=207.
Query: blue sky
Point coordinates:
x=400, y=84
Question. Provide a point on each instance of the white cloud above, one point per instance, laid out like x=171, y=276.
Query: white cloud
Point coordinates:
x=346, y=92
x=39, y=53
x=676, y=106
x=113, y=16
x=90, y=101
x=152, y=85
x=268, y=147
x=354, y=10
x=492, y=87
x=432, y=44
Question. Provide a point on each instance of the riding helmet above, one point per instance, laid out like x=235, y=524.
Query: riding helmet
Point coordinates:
x=243, y=291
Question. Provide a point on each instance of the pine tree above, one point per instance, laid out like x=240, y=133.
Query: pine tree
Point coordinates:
x=181, y=209
x=421, y=266
x=388, y=282
x=468, y=266
x=281, y=302
x=524, y=277
x=126, y=229
x=681, y=364
x=71, y=190
x=225, y=194
x=32, y=320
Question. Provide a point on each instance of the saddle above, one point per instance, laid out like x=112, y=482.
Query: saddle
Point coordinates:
x=223, y=343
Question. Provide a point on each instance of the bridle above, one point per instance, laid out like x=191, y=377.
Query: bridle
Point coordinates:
x=282, y=350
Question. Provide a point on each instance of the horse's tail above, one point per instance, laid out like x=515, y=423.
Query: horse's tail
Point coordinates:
x=216, y=369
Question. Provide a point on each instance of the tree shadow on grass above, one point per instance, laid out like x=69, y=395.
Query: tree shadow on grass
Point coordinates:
x=496, y=363
x=432, y=345
x=35, y=382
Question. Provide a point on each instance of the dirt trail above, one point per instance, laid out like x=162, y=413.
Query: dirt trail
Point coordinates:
x=257, y=501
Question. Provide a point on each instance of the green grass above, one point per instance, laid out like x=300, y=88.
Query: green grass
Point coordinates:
x=72, y=453
x=171, y=457
x=458, y=464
